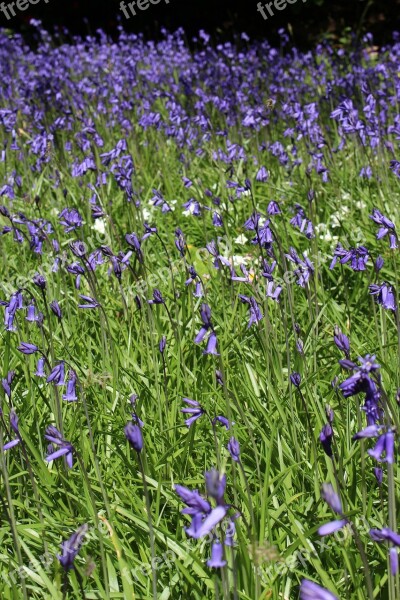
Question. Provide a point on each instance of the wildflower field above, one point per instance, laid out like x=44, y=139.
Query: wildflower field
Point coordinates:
x=200, y=345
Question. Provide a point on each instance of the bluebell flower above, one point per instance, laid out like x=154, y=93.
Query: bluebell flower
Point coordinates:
x=217, y=556
x=379, y=262
x=157, y=298
x=254, y=310
x=312, y=591
x=215, y=485
x=70, y=219
x=358, y=257
x=262, y=175
x=55, y=307
x=133, y=434
x=217, y=220
x=211, y=347
x=333, y=501
x=14, y=427
x=57, y=375
x=27, y=348
x=65, y=448
x=295, y=378
x=70, y=394
x=89, y=302
x=71, y=547
x=273, y=208
x=383, y=295
x=223, y=420
x=342, y=341
x=194, y=409
x=6, y=383
x=387, y=535
x=40, y=367
x=136, y=244
x=234, y=449
x=386, y=227
x=326, y=437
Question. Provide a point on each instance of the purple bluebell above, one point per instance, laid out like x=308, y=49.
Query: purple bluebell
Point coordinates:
x=393, y=538
x=264, y=236
x=27, y=348
x=331, y=527
x=136, y=244
x=395, y=167
x=301, y=222
x=31, y=315
x=157, y=298
x=55, y=307
x=57, y=375
x=245, y=279
x=385, y=535
x=215, y=485
x=211, y=347
x=383, y=295
x=358, y=257
x=6, y=383
x=219, y=377
x=262, y=175
x=194, y=409
x=78, y=248
x=65, y=448
x=254, y=310
x=342, y=341
x=305, y=268
x=39, y=281
x=384, y=445
x=331, y=498
x=378, y=472
x=252, y=223
x=379, y=262
x=312, y=591
x=89, y=302
x=71, y=547
x=162, y=344
x=223, y=420
x=273, y=208
x=268, y=270
x=394, y=561
x=40, y=367
x=70, y=394
x=234, y=449
x=205, y=314
x=386, y=227
x=295, y=378
x=180, y=241
x=217, y=556
x=14, y=427
x=133, y=434
x=78, y=270
x=70, y=219
x=193, y=500
x=217, y=220
x=333, y=501
x=326, y=437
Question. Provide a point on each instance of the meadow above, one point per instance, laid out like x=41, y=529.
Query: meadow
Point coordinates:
x=200, y=350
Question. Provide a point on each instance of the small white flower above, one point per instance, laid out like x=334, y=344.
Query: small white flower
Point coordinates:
x=99, y=226
x=239, y=260
x=360, y=205
x=242, y=239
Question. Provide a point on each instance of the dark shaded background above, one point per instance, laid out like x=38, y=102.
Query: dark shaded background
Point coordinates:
x=307, y=21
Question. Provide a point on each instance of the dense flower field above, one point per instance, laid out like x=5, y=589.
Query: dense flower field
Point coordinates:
x=200, y=352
